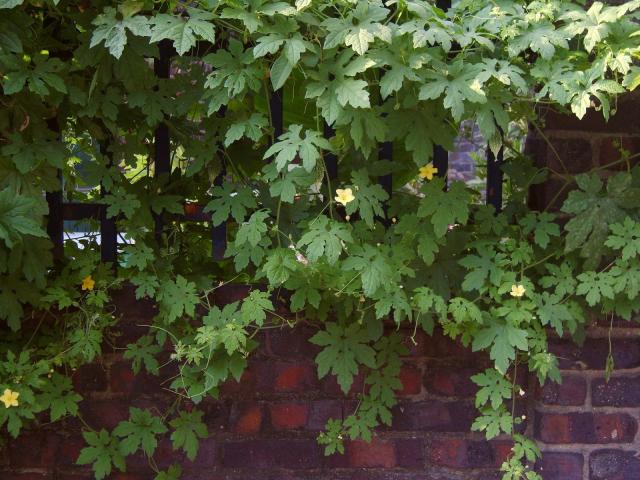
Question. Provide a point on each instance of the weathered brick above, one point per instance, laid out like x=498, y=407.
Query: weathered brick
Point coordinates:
x=572, y=391
x=561, y=466
x=461, y=453
x=90, y=378
x=410, y=453
x=411, y=379
x=42, y=448
x=8, y=475
x=610, y=149
x=104, y=413
x=575, y=154
x=614, y=465
x=434, y=416
x=617, y=392
x=585, y=428
x=287, y=344
x=298, y=454
x=593, y=354
x=295, y=378
x=377, y=453
x=246, y=418
x=287, y=416
x=320, y=411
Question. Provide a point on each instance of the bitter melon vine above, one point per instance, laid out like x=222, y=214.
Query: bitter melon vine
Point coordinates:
x=80, y=104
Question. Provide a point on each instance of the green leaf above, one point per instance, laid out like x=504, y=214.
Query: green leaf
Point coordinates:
x=174, y=472
x=177, y=297
x=369, y=197
x=188, y=428
x=255, y=307
x=494, y=388
x=143, y=352
x=325, y=237
x=20, y=215
x=503, y=340
x=139, y=432
x=183, y=30
x=59, y=397
x=625, y=237
x=230, y=200
x=444, y=208
x=113, y=32
x=102, y=452
x=344, y=349
x=292, y=144
x=253, y=230
x=543, y=227
x=280, y=264
x=374, y=267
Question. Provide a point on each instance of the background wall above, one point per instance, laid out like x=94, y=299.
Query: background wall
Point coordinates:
x=265, y=426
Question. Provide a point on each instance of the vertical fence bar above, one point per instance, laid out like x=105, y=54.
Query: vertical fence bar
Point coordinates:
x=330, y=159
x=276, y=107
x=162, y=160
x=55, y=220
x=440, y=155
x=494, y=179
x=219, y=233
x=108, y=231
x=441, y=161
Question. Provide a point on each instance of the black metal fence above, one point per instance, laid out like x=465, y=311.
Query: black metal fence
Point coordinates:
x=59, y=211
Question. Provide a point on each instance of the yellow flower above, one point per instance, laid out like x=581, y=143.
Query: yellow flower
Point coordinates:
x=9, y=398
x=428, y=171
x=344, y=196
x=88, y=283
x=517, y=290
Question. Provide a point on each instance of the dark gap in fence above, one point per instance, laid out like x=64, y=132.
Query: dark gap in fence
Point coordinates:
x=495, y=178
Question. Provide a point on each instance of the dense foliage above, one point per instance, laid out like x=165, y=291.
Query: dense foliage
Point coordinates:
x=80, y=102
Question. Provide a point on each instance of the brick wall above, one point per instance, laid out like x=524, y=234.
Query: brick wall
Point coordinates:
x=264, y=427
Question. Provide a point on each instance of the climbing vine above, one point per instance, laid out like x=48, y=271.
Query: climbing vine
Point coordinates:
x=80, y=105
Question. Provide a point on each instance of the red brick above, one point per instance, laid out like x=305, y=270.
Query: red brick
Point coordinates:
x=295, y=378
x=378, y=453
x=561, y=466
x=287, y=416
x=572, y=391
x=246, y=418
x=614, y=465
x=450, y=381
x=617, y=392
x=411, y=379
x=245, y=387
x=585, y=428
